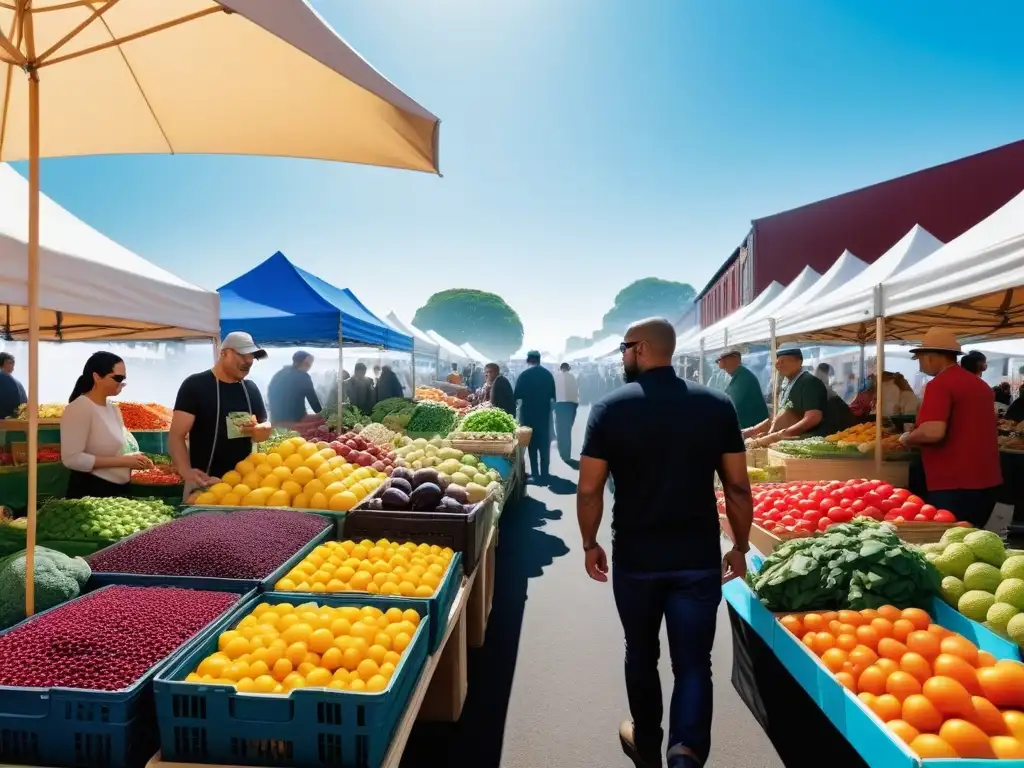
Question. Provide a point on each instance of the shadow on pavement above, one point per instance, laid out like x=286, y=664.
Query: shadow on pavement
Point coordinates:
x=476, y=740
x=561, y=486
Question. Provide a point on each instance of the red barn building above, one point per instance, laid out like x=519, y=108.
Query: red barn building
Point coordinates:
x=946, y=199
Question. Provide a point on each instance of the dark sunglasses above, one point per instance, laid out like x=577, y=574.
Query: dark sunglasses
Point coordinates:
x=627, y=345
x=118, y=378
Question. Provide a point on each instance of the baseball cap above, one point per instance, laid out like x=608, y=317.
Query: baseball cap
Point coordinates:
x=791, y=352
x=729, y=353
x=242, y=343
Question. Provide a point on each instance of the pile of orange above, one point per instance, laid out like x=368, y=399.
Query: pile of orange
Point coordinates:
x=933, y=688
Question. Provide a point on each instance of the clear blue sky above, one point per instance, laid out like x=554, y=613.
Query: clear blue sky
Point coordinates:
x=584, y=144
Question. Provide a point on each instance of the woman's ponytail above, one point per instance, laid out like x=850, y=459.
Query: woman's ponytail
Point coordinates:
x=99, y=363
x=82, y=385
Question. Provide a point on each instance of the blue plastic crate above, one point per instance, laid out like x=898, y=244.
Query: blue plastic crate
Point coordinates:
x=83, y=728
x=309, y=727
x=438, y=605
x=98, y=579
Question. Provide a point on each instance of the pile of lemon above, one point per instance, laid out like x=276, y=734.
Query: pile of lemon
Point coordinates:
x=382, y=567
x=297, y=473
x=279, y=648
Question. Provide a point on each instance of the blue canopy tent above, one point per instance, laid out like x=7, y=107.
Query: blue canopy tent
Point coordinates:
x=283, y=305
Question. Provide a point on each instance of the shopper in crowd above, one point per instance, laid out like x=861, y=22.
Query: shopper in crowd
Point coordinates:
x=535, y=393
x=498, y=390
x=454, y=377
x=975, y=362
x=802, y=403
x=743, y=389
x=388, y=385
x=850, y=391
x=94, y=444
x=1002, y=393
x=12, y=394
x=665, y=546
x=359, y=389
x=376, y=374
x=1016, y=410
x=290, y=389
x=864, y=403
x=218, y=415
x=906, y=402
x=476, y=379
x=955, y=428
x=824, y=374
x=567, y=401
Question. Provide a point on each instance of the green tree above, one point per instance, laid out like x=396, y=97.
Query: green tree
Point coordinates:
x=649, y=297
x=483, y=319
x=576, y=342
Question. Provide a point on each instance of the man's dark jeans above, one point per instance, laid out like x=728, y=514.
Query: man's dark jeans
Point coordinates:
x=565, y=418
x=688, y=600
x=974, y=506
x=540, y=453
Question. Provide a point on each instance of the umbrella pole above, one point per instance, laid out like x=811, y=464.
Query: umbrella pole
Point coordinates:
x=33, y=328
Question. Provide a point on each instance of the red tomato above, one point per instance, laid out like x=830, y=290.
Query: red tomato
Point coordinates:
x=900, y=493
x=849, y=493
x=928, y=511
x=806, y=505
x=910, y=511
x=780, y=504
x=845, y=503
x=840, y=515
x=825, y=504
x=788, y=520
x=884, y=490
x=858, y=505
x=851, y=482
x=915, y=500
x=873, y=512
x=769, y=525
x=871, y=499
x=804, y=526
x=824, y=523
x=776, y=515
x=887, y=505
x=814, y=516
x=919, y=518
x=944, y=516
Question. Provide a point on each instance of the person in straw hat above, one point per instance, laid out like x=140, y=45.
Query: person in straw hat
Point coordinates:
x=956, y=428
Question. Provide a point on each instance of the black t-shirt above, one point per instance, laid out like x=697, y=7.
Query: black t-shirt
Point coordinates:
x=663, y=439
x=198, y=396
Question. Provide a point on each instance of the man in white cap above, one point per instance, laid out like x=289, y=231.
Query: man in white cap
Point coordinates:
x=955, y=425
x=218, y=415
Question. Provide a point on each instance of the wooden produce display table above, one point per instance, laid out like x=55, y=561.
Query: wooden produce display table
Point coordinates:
x=441, y=691
x=798, y=468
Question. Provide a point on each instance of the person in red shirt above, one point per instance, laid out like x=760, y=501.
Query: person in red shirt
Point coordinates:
x=956, y=431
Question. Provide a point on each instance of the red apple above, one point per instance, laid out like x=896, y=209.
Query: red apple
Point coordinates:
x=379, y=466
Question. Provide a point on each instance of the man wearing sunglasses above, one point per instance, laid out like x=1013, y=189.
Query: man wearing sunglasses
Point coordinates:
x=666, y=550
x=218, y=415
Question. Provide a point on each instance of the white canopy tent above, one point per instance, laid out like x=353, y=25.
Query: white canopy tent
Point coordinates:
x=421, y=343
x=973, y=285
x=716, y=335
x=90, y=287
x=597, y=350
x=473, y=354
x=757, y=326
x=845, y=269
x=842, y=316
x=450, y=352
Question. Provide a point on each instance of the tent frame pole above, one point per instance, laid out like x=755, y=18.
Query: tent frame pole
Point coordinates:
x=879, y=368
x=773, y=355
x=341, y=372
x=33, y=317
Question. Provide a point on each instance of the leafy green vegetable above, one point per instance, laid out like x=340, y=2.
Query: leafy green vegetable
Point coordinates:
x=350, y=417
x=435, y=418
x=857, y=565
x=158, y=458
x=816, y=447
x=92, y=519
x=392, y=406
x=277, y=437
x=488, y=420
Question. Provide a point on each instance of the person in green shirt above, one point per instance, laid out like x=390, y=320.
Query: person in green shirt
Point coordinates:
x=803, y=400
x=744, y=389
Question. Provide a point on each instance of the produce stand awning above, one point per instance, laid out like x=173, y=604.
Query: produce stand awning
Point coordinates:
x=843, y=315
x=973, y=285
x=598, y=349
x=846, y=268
x=756, y=327
x=282, y=304
x=475, y=355
x=420, y=341
x=715, y=334
x=90, y=287
x=450, y=351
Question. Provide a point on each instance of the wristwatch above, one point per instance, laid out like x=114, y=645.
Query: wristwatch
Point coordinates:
x=588, y=547
x=743, y=551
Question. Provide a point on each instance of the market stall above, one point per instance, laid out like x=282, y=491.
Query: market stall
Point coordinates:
x=426, y=360
x=847, y=623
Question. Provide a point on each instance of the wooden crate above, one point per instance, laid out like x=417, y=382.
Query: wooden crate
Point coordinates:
x=486, y=447
x=765, y=541
x=481, y=597
x=757, y=458
x=896, y=473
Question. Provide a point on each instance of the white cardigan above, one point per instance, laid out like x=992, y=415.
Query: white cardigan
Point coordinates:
x=88, y=430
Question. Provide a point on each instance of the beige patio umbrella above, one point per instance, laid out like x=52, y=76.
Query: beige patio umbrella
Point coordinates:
x=250, y=77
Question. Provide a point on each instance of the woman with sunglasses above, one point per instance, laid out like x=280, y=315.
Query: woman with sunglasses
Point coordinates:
x=93, y=438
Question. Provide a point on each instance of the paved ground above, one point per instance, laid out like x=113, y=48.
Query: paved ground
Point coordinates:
x=546, y=691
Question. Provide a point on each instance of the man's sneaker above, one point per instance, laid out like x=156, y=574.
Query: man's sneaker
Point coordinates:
x=628, y=740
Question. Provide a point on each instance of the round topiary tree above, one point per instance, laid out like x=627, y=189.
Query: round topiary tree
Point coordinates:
x=483, y=319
